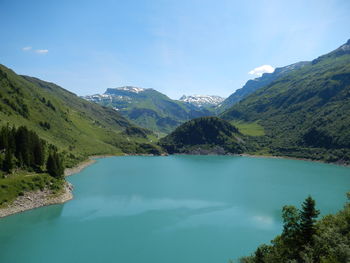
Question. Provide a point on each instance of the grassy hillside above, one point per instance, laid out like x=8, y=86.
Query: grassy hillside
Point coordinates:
x=254, y=84
x=305, y=113
x=65, y=128
x=149, y=108
x=205, y=135
x=74, y=125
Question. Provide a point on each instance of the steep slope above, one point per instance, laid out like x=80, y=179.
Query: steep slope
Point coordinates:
x=75, y=126
x=305, y=113
x=148, y=108
x=205, y=135
x=257, y=83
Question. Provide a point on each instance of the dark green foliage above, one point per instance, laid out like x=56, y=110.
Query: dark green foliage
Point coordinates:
x=308, y=217
x=22, y=148
x=7, y=164
x=54, y=165
x=45, y=125
x=306, y=240
x=206, y=134
x=305, y=113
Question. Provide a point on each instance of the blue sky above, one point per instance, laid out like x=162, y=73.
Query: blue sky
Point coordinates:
x=177, y=47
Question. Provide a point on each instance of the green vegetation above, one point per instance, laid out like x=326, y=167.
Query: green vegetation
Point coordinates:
x=16, y=184
x=254, y=84
x=205, y=135
x=47, y=128
x=77, y=128
x=25, y=160
x=305, y=113
x=249, y=128
x=306, y=240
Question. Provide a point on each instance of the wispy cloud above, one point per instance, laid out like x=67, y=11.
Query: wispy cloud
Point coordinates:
x=261, y=70
x=26, y=48
x=42, y=51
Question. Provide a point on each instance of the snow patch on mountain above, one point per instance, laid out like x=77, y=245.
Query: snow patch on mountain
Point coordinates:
x=202, y=100
x=129, y=89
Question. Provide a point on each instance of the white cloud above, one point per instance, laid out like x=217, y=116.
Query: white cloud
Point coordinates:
x=26, y=48
x=42, y=51
x=261, y=70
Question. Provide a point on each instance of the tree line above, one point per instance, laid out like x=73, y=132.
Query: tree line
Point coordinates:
x=21, y=148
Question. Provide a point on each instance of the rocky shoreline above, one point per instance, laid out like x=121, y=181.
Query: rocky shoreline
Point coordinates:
x=80, y=167
x=35, y=199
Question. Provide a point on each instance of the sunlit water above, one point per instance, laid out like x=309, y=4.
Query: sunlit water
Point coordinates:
x=170, y=209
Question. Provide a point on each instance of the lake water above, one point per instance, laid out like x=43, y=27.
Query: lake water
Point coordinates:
x=181, y=209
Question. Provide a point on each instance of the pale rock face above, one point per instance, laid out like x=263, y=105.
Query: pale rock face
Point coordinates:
x=202, y=100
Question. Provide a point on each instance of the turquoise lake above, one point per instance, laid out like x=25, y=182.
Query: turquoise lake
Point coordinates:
x=181, y=209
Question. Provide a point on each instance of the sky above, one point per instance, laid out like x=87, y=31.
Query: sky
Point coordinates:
x=176, y=47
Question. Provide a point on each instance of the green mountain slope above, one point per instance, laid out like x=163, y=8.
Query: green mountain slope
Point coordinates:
x=75, y=126
x=305, y=113
x=205, y=135
x=257, y=83
x=149, y=108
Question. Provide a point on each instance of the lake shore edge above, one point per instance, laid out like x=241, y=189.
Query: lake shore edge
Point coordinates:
x=35, y=199
x=32, y=200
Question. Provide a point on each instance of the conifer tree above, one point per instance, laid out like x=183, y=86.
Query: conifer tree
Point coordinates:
x=8, y=161
x=308, y=217
x=54, y=165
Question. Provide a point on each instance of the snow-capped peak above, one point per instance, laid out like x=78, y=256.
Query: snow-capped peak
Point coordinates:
x=202, y=100
x=131, y=89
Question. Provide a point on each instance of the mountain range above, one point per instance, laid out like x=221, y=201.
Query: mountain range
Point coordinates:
x=151, y=109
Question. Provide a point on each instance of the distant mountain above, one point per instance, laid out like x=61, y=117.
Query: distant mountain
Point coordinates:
x=202, y=100
x=149, y=108
x=206, y=135
x=306, y=112
x=257, y=83
x=75, y=126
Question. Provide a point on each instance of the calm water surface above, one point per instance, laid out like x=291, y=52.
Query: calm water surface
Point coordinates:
x=170, y=209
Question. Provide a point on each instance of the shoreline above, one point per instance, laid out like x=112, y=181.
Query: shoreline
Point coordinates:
x=292, y=158
x=36, y=199
x=32, y=200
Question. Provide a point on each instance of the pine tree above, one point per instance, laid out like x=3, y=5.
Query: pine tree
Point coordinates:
x=308, y=217
x=8, y=161
x=259, y=256
x=54, y=165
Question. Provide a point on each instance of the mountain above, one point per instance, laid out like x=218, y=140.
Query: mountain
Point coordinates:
x=306, y=112
x=75, y=126
x=202, y=100
x=205, y=135
x=257, y=83
x=148, y=108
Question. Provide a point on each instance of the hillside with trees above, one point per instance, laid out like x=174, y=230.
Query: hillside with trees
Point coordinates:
x=305, y=113
x=206, y=135
x=45, y=128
